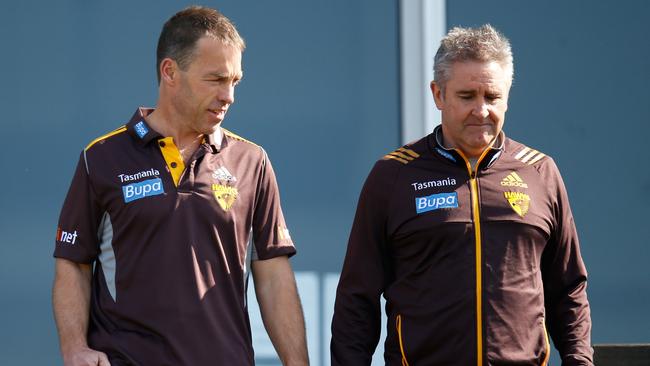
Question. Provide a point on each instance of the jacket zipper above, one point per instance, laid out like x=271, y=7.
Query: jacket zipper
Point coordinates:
x=398, y=324
x=473, y=182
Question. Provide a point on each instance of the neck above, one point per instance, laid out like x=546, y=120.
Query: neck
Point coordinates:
x=471, y=155
x=168, y=124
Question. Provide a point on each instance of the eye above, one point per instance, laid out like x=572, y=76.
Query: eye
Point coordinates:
x=492, y=97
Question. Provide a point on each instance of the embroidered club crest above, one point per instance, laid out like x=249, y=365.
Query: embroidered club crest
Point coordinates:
x=224, y=195
x=520, y=202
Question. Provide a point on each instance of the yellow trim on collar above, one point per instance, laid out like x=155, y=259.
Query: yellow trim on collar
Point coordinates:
x=173, y=158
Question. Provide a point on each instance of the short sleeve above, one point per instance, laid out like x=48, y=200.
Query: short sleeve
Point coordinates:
x=270, y=233
x=76, y=234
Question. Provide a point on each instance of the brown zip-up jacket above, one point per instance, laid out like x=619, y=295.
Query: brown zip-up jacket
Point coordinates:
x=478, y=266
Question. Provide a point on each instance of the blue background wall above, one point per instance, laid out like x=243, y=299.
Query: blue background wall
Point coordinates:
x=321, y=93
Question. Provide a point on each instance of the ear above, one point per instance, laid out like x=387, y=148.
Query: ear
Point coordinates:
x=438, y=96
x=168, y=71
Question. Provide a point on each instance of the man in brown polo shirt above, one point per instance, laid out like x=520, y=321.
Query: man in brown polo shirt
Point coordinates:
x=165, y=218
x=467, y=234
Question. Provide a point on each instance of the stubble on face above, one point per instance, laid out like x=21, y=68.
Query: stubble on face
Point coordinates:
x=473, y=105
x=206, y=87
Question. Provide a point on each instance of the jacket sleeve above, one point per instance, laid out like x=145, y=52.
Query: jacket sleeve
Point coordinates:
x=568, y=316
x=356, y=325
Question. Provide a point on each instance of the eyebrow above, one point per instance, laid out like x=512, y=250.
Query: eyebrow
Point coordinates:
x=224, y=75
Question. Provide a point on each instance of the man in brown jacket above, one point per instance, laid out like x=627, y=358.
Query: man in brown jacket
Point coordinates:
x=467, y=234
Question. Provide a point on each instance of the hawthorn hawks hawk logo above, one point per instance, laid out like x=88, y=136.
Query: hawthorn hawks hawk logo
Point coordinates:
x=224, y=195
x=519, y=201
x=223, y=192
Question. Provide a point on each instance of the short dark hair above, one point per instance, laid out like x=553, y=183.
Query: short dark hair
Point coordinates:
x=181, y=32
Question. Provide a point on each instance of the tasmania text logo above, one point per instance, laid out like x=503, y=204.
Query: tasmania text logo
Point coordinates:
x=146, y=188
x=436, y=201
x=139, y=175
x=65, y=237
x=434, y=183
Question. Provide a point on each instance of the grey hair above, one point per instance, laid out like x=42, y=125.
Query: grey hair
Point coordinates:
x=483, y=44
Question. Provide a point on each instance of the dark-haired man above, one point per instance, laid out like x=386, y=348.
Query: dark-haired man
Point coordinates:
x=467, y=234
x=166, y=216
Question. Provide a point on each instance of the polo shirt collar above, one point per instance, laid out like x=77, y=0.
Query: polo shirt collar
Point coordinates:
x=142, y=132
x=140, y=129
x=215, y=140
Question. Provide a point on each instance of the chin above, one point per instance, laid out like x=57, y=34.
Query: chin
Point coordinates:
x=210, y=129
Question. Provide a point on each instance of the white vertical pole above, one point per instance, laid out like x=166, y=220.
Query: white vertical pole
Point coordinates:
x=422, y=26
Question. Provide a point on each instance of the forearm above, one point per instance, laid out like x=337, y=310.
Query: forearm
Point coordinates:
x=285, y=325
x=281, y=310
x=70, y=300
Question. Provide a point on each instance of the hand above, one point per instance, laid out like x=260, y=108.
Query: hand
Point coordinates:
x=86, y=357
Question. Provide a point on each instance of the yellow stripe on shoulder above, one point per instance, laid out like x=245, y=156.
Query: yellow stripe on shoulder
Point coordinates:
x=104, y=137
x=396, y=158
x=403, y=155
x=409, y=151
x=529, y=156
x=237, y=137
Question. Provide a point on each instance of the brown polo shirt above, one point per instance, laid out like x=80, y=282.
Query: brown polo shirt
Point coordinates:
x=171, y=243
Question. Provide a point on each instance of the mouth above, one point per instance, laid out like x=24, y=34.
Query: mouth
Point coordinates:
x=217, y=112
x=479, y=124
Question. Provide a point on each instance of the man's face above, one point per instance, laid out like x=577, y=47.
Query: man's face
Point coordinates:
x=206, y=89
x=473, y=105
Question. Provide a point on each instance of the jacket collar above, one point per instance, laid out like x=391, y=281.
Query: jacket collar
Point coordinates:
x=454, y=155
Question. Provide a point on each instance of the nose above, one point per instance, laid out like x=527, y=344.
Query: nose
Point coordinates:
x=227, y=94
x=480, y=110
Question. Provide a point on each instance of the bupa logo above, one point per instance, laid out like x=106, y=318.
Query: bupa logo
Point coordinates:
x=146, y=188
x=65, y=236
x=141, y=129
x=436, y=201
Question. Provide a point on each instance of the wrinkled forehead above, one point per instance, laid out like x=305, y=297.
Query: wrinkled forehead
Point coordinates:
x=487, y=73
